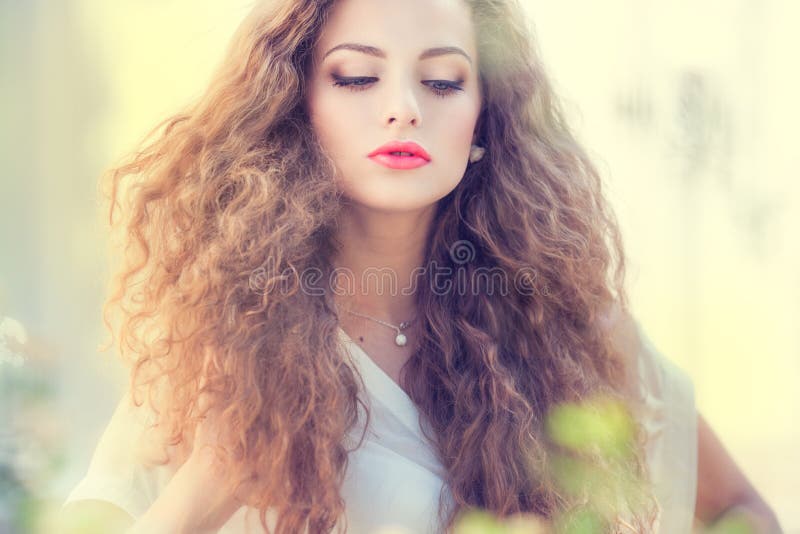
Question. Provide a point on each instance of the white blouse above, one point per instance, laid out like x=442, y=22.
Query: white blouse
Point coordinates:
x=394, y=478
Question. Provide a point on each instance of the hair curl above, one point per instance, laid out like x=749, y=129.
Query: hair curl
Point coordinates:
x=237, y=182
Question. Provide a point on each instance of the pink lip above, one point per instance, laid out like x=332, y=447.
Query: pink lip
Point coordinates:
x=383, y=155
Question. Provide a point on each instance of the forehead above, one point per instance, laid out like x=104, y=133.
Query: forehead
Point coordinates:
x=399, y=27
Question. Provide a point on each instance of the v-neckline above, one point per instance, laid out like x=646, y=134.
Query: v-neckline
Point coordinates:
x=382, y=386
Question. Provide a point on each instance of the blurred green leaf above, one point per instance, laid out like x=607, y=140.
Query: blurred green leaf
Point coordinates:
x=580, y=521
x=601, y=424
x=479, y=522
x=733, y=522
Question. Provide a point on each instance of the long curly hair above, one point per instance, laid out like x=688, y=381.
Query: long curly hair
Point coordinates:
x=227, y=206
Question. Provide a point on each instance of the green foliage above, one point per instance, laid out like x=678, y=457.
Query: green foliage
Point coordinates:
x=590, y=460
x=580, y=521
x=602, y=425
x=479, y=522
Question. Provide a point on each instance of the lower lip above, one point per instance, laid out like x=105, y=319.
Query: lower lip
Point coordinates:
x=399, y=162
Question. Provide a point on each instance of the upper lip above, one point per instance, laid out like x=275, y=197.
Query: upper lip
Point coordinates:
x=401, y=146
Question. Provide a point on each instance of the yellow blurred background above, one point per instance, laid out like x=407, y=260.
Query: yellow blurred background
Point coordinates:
x=688, y=108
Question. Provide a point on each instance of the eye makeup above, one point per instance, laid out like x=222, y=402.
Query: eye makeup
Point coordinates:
x=440, y=88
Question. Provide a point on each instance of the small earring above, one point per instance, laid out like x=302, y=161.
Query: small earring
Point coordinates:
x=476, y=153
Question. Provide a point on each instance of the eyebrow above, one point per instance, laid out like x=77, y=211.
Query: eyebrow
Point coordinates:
x=377, y=52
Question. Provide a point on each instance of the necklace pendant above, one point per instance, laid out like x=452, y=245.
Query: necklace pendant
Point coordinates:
x=400, y=340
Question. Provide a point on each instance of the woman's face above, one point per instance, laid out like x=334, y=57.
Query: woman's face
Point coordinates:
x=415, y=78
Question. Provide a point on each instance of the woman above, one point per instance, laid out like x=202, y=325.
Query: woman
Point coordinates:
x=269, y=375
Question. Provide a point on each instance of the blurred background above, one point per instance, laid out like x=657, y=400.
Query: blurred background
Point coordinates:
x=688, y=108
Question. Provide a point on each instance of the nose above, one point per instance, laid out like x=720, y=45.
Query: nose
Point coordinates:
x=403, y=109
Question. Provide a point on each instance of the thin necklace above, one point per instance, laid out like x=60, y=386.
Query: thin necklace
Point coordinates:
x=400, y=339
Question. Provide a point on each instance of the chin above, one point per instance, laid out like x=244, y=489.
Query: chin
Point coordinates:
x=393, y=205
x=395, y=200
x=398, y=194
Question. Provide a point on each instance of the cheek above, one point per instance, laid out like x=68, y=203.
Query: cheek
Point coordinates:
x=335, y=122
x=336, y=126
x=322, y=119
x=457, y=130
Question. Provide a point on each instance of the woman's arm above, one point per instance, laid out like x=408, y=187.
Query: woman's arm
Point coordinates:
x=723, y=489
x=193, y=501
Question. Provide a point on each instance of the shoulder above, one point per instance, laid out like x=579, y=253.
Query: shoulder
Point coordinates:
x=665, y=407
x=620, y=325
x=622, y=330
x=648, y=370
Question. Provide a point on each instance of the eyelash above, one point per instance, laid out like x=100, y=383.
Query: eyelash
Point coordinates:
x=353, y=85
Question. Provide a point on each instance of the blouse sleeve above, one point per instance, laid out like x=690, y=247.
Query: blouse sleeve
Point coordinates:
x=670, y=420
x=121, y=470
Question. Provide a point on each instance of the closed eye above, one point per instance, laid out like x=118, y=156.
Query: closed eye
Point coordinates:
x=440, y=88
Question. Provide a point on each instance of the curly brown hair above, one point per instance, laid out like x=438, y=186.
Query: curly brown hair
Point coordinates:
x=238, y=184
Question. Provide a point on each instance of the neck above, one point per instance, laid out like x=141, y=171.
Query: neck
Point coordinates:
x=378, y=256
